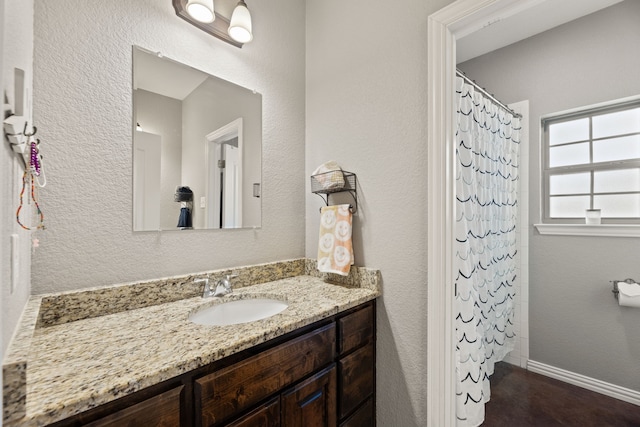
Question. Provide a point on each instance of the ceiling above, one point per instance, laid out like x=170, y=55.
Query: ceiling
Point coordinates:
x=500, y=30
x=151, y=72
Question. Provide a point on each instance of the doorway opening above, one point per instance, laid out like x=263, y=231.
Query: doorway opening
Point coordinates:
x=223, y=204
x=445, y=27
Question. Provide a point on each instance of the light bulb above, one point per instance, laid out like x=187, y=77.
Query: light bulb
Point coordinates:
x=240, y=25
x=201, y=10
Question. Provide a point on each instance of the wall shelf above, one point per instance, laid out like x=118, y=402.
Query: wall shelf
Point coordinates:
x=337, y=181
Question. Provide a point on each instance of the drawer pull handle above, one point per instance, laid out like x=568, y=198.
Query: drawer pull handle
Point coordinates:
x=311, y=398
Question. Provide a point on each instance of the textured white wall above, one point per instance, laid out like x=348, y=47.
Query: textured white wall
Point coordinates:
x=575, y=323
x=17, y=52
x=366, y=109
x=82, y=77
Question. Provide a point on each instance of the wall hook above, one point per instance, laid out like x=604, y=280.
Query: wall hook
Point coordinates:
x=33, y=128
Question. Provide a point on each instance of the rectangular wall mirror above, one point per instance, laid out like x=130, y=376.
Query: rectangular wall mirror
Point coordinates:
x=197, y=148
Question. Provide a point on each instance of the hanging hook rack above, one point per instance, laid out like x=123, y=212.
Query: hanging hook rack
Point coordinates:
x=33, y=128
x=337, y=181
x=20, y=141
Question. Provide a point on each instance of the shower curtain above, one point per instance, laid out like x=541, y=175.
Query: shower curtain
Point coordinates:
x=487, y=149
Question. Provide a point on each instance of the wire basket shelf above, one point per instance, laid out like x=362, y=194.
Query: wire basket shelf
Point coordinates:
x=336, y=181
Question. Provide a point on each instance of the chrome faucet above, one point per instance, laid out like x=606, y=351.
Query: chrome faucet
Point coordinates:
x=223, y=287
x=207, y=289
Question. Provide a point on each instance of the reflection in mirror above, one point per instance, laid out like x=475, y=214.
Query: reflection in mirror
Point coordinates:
x=197, y=148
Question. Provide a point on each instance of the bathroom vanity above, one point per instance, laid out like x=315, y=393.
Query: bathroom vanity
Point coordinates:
x=325, y=371
x=152, y=366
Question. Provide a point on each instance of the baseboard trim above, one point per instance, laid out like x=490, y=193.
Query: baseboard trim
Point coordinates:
x=608, y=389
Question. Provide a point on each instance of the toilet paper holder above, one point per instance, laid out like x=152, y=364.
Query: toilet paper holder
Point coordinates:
x=615, y=290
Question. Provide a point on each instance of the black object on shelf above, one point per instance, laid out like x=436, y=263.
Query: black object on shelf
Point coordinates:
x=183, y=194
x=337, y=181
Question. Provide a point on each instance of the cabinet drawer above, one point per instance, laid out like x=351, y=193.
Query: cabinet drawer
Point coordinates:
x=231, y=390
x=356, y=372
x=363, y=417
x=160, y=410
x=355, y=329
x=267, y=415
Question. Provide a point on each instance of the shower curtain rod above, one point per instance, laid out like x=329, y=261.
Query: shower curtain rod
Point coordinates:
x=487, y=94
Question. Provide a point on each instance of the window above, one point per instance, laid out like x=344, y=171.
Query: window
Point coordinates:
x=592, y=161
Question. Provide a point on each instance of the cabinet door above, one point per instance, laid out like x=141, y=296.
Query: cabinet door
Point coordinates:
x=357, y=378
x=161, y=410
x=363, y=417
x=312, y=403
x=226, y=393
x=267, y=415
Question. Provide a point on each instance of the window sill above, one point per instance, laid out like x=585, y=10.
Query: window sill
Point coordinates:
x=603, y=230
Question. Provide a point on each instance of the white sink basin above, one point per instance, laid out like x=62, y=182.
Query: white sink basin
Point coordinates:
x=238, y=311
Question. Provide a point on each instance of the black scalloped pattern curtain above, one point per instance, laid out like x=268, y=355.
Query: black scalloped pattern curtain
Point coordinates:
x=487, y=153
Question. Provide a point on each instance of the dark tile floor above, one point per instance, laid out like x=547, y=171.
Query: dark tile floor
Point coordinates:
x=520, y=398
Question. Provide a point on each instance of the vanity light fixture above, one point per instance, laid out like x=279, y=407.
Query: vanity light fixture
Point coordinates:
x=201, y=10
x=240, y=26
x=236, y=30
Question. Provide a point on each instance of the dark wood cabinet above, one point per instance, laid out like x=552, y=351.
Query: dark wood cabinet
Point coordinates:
x=363, y=417
x=312, y=403
x=356, y=373
x=357, y=366
x=322, y=375
x=356, y=329
x=266, y=415
x=160, y=410
x=225, y=393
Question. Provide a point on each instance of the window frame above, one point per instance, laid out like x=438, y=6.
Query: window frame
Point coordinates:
x=591, y=168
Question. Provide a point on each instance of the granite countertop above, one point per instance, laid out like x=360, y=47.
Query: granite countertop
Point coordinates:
x=74, y=366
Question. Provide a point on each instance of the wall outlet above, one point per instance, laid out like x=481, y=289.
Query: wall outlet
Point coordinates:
x=203, y=202
x=15, y=262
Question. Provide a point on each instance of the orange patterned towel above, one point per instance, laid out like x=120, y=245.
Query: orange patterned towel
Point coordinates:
x=335, y=250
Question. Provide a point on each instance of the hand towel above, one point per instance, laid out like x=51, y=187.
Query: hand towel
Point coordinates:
x=335, y=249
x=329, y=175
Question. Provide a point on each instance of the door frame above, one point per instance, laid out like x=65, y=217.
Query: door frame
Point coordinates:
x=213, y=141
x=459, y=19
